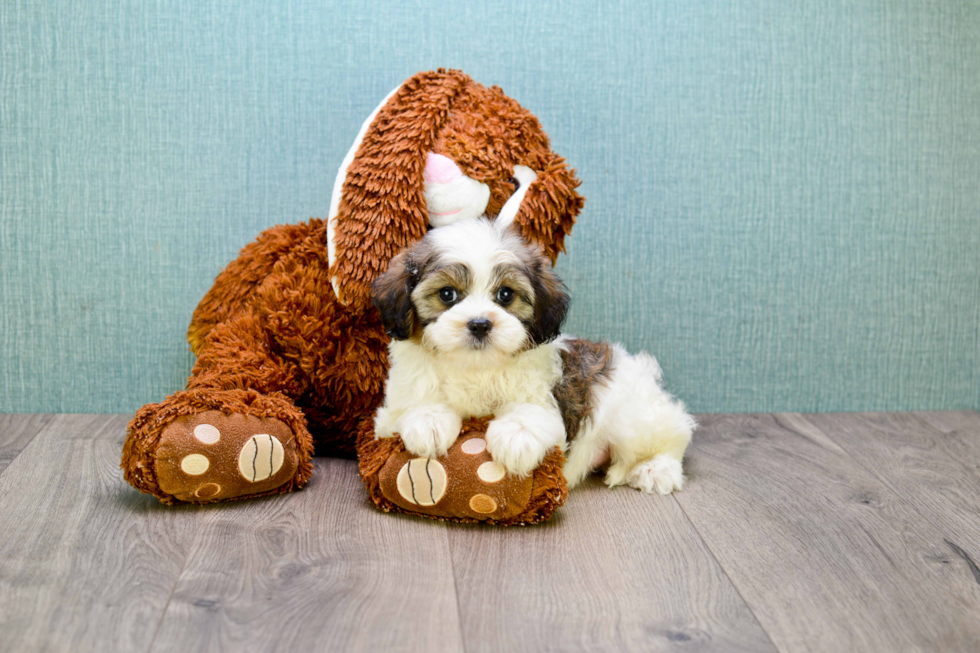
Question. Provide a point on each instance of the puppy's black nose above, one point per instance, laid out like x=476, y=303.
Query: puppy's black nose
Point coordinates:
x=480, y=327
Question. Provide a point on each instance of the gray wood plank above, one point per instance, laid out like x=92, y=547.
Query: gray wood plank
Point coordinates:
x=614, y=570
x=86, y=562
x=962, y=431
x=315, y=570
x=828, y=557
x=931, y=471
x=16, y=430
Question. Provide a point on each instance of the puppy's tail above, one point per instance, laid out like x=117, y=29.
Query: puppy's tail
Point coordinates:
x=648, y=366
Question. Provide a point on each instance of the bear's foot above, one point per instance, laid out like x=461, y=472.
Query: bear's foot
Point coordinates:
x=212, y=456
x=201, y=446
x=463, y=485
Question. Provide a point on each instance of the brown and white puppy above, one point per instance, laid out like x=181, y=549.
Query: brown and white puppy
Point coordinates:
x=474, y=313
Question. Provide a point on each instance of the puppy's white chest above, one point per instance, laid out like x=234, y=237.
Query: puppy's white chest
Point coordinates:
x=529, y=378
x=420, y=377
x=479, y=392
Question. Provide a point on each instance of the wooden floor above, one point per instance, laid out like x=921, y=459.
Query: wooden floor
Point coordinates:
x=857, y=532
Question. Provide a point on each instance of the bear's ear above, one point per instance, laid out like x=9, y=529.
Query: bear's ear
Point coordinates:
x=548, y=210
x=379, y=207
x=392, y=296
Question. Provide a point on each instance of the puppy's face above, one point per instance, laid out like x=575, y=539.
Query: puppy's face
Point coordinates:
x=473, y=292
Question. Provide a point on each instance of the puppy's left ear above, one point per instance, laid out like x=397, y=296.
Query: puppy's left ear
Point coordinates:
x=392, y=296
x=551, y=302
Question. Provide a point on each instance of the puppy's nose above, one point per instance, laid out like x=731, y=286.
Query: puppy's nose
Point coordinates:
x=480, y=327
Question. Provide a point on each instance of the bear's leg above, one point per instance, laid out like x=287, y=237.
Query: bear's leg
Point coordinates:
x=233, y=433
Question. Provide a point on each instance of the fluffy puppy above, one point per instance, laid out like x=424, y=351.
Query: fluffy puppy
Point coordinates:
x=474, y=313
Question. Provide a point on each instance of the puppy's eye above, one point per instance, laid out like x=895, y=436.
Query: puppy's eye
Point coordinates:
x=505, y=296
x=448, y=295
x=516, y=182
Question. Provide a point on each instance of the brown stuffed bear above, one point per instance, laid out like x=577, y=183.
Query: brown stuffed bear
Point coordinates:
x=291, y=354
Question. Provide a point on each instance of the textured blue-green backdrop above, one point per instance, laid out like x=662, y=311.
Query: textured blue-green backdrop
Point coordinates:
x=784, y=196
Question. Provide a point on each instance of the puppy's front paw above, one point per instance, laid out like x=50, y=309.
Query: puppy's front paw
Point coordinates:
x=384, y=423
x=428, y=431
x=515, y=446
x=662, y=474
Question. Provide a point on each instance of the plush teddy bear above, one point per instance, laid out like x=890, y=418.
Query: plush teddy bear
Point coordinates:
x=291, y=355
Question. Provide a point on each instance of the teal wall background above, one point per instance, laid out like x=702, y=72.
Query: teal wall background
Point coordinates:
x=784, y=196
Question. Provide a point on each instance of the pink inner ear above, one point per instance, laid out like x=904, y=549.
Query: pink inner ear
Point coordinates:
x=441, y=169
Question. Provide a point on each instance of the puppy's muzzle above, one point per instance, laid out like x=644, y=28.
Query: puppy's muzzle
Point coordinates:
x=480, y=327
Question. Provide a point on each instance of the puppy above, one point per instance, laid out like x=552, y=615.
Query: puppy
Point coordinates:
x=474, y=314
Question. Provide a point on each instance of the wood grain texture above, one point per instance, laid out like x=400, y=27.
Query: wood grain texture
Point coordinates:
x=794, y=533
x=827, y=555
x=936, y=473
x=16, y=430
x=315, y=570
x=86, y=563
x=962, y=434
x=614, y=570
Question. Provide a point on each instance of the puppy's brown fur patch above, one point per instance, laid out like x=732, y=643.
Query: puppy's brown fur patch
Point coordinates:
x=425, y=297
x=392, y=291
x=585, y=364
x=516, y=277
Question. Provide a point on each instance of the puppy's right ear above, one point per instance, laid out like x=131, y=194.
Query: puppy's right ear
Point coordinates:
x=392, y=296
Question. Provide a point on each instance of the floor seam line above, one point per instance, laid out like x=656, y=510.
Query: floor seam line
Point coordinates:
x=173, y=590
x=452, y=568
x=727, y=575
x=44, y=425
